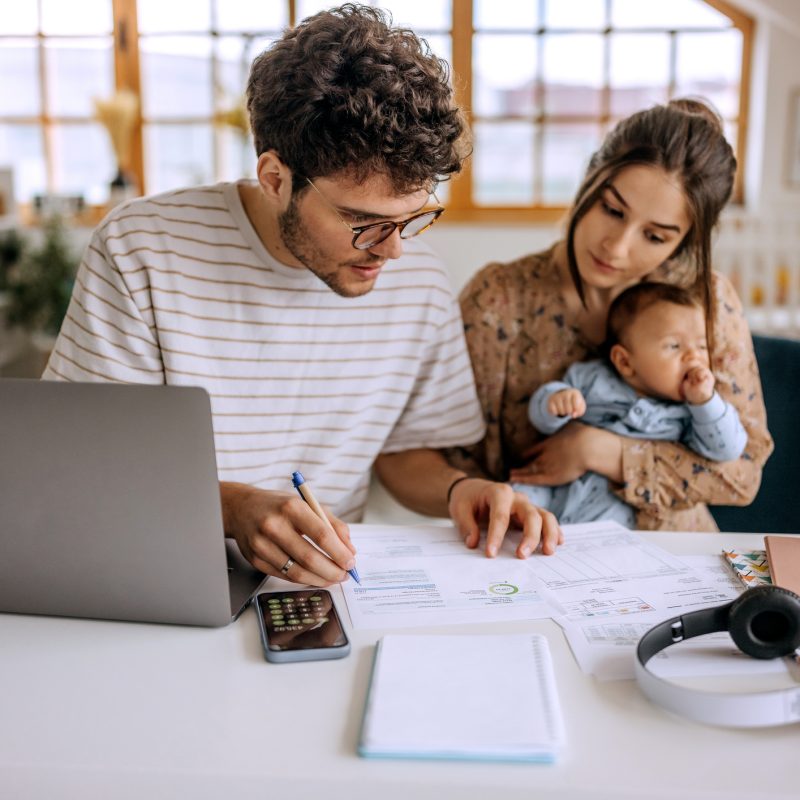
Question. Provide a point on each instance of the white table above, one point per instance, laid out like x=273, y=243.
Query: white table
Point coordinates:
x=121, y=710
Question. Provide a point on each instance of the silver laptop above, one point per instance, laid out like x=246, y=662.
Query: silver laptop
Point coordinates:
x=110, y=505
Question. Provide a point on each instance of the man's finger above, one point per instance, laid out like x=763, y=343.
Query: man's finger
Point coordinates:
x=322, y=533
x=295, y=572
x=310, y=562
x=499, y=517
x=342, y=530
x=464, y=518
x=551, y=533
x=531, y=522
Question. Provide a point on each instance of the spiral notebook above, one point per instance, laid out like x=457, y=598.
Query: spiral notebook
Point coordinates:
x=751, y=567
x=483, y=697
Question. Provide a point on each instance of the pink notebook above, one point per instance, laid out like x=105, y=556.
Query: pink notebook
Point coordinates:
x=783, y=553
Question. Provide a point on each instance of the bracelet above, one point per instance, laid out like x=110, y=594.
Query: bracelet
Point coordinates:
x=455, y=483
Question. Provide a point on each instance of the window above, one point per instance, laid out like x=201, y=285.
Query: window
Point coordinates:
x=546, y=84
x=53, y=62
x=195, y=58
x=542, y=80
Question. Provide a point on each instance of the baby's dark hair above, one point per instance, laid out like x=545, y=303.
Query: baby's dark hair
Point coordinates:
x=638, y=298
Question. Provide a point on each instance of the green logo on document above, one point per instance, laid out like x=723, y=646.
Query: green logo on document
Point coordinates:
x=503, y=588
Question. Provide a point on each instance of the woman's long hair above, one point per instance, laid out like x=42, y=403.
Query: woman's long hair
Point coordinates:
x=685, y=139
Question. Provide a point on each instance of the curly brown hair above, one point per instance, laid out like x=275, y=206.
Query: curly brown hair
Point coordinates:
x=346, y=92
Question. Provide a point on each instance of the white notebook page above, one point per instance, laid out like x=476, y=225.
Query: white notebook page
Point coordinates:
x=472, y=696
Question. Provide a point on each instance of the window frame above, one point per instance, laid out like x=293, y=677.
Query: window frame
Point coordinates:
x=461, y=207
x=45, y=120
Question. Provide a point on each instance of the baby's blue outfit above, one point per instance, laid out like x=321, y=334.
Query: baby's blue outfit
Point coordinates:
x=712, y=429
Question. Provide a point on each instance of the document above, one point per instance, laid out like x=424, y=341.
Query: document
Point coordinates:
x=605, y=554
x=611, y=572
x=426, y=576
x=607, y=650
x=604, y=644
x=605, y=586
x=438, y=696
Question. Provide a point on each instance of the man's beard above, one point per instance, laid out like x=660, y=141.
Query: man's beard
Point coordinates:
x=297, y=241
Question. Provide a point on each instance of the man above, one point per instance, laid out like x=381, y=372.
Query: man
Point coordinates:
x=324, y=346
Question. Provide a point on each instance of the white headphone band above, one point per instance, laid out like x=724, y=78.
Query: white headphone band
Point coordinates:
x=742, y=710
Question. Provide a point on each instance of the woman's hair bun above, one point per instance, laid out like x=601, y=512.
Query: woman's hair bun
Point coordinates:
x=700, y=108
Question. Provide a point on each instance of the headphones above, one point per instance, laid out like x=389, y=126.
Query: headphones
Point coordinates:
x=764, y=622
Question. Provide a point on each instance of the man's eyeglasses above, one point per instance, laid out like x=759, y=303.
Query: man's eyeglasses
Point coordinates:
x=366, y=236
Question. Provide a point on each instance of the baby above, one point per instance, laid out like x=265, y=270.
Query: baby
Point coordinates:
x=656, y=384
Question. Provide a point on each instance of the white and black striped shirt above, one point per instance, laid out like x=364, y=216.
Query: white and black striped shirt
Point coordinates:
x=179, y=289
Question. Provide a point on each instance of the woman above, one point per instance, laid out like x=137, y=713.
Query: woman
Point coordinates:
x=645, y=211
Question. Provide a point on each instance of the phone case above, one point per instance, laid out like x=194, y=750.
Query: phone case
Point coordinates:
x=308, y=654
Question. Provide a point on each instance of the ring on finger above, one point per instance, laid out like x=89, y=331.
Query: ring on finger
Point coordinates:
x=287, y=566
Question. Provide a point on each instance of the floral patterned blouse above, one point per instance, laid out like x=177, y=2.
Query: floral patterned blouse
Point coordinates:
x=520, y=336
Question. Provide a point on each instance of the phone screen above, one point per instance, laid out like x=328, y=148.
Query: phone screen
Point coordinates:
x=300, y=620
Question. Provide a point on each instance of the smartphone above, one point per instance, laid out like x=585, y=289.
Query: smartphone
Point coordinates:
x=300, y=625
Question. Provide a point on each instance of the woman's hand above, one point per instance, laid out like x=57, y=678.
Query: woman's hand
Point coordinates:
x=568, y=454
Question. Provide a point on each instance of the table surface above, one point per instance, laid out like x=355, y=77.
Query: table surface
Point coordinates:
x=105, y=709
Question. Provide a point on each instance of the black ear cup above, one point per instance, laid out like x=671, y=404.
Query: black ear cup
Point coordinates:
x=764, y=622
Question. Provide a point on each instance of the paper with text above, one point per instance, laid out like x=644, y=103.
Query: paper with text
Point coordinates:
x=605, y=573
x=426, y=576
x=604, y=644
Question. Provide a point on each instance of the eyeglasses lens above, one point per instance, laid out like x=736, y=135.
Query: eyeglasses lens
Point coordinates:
x=376, y=234
x=372, y=236
x=418, y=224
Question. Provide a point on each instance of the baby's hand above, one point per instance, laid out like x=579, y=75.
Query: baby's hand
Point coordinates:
x=566, y=403
x=698, y=385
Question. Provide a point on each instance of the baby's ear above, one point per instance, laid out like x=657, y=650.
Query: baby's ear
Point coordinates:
x=621, y=360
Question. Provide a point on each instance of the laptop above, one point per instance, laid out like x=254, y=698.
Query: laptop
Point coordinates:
x=110, y=506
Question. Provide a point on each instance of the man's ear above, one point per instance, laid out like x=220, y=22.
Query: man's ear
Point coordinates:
x=621, y=360
x=275, y=178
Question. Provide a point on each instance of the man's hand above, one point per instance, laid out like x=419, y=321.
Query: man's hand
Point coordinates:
x=566, y=403
x=698, y=385
x=475, y=500
x=269, y=528
x=568, y=454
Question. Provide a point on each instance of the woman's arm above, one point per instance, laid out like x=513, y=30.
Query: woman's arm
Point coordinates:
x=485, y=312
x=661, y=476
x=569, y=453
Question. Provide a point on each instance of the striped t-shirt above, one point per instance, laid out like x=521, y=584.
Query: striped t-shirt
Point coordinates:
x=179, y=289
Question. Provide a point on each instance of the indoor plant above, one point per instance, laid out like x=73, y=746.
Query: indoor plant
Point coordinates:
x=40, y=283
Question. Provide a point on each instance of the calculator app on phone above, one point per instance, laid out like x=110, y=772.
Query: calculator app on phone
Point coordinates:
x=300, y=622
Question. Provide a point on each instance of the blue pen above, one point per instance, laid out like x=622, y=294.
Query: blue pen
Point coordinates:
x=299, y=483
